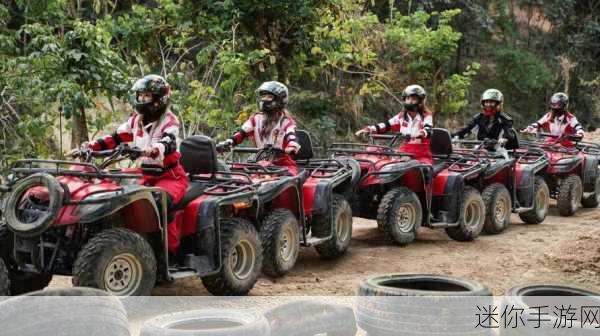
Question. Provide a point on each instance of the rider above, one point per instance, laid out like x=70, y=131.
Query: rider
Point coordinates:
x=491, y=122
x=154, y=129
x=558, y=121
x=273, y=125
x=414, y=121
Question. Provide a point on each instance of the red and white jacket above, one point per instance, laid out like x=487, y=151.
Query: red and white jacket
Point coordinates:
x=282, y=135
x=404, y=124
x=566, y=124
x=160, y=135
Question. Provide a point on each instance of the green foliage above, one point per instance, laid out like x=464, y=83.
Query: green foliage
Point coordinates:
x=345, y=61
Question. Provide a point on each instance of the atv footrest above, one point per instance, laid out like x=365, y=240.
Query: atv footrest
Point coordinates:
x=180, y=273
x=312, y=241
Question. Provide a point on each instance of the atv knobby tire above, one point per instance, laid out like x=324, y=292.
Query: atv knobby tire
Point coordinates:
x=471, y=217
x=399, y=215
x=280, y=237
x=592, y=201
x=342, y=229
x=570, y=191
x=541, y=201
x=118, y=261
x=242, y=255
x=498, y=208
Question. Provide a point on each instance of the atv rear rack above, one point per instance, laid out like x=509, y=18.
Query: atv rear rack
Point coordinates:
x=229, y=186
x=346, y=148
x=324, y=168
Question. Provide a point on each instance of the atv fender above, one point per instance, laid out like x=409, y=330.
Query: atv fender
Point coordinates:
x=137, y=204
x=448, y=188
x=525, y=182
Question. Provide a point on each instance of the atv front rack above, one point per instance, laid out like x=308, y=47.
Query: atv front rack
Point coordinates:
x=89, y=170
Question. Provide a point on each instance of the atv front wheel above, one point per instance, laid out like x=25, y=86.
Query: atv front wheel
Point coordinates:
x=497, y=208
x=570, y=191
x=4, y=279
x=540, y=203
x=118, y=261
x=592, y=200
x=471, y=217
x=280, y=237
x=241, y=253
x=342, y=229
x=399, y=215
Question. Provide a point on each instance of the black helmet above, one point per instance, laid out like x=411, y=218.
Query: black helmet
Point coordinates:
x=161, y=93
x=559, y=102
x=419, y=92
x=277, y=89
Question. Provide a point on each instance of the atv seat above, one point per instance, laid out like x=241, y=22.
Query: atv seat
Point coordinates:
x=438, y=167
x=198, y=155
x=306, y=149
x=440, y=143
x=194, y=190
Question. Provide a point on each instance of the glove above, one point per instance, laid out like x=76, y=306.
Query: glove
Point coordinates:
x=455, y=138
x=290, y=150
x=502, y=141
x=363, y=132
x=422, y=134
x=76, y=152
x=150, y=152
x=224, y=146
x=529, y=129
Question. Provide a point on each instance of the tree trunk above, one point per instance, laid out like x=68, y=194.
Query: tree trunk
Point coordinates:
x=79, y=130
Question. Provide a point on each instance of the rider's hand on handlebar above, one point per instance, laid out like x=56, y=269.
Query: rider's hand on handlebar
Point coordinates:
x=85, y=147
x=225, y=146
x=502, y=141
x=291, y=150
x=529, y=129
x=363, y=132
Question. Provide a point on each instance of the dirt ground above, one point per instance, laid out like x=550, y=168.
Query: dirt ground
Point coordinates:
x=560, y=250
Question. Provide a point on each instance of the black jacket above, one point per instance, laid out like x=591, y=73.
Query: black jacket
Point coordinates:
x=498, y=126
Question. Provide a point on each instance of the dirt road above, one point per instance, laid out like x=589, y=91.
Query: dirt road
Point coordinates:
x=561, y=250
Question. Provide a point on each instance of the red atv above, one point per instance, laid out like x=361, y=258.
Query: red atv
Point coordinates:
x=109, y=232
x=512, y=182
x=308, y=209
x=572, y=174
x=403, y=194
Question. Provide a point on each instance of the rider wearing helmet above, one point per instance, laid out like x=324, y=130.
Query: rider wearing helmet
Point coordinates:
x=414, y=121
x=491, y=122
x=154, y=129
x=273, y=125
x=558, y=121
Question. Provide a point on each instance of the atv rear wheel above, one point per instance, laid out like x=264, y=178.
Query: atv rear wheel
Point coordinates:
x=20, y=282
x=592, y=200
x=241, y=251
x=400, y=215
x=118, y=261
x=471, y=217
x=280, y=237
x=540, y=203
x=497, y=208
x=342, y=229
x=570, y=191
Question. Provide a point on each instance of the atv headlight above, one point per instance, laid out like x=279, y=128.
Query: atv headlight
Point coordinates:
x=99, y=200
